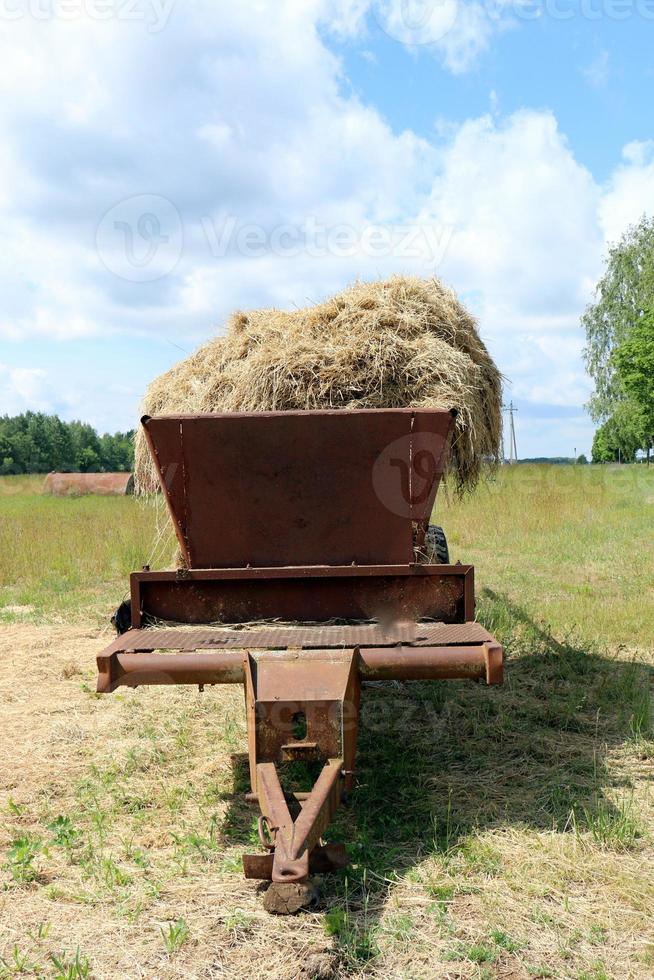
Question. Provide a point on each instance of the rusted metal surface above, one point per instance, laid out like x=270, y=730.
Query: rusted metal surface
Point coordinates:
x=305, y=637
x=494, y=654
x=148, y=669
x=312, y=518
x=385, y=593
x=321, y=687
x=320, y=694
x=295, y=839
x=322, y=859
x=474, y=662
x=478, y=661
x=79, y=484
x=268, y=489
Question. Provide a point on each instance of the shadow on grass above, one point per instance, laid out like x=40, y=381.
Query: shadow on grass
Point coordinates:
x=438, y=762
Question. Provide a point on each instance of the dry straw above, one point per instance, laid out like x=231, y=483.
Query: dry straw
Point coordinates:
x=401, y=342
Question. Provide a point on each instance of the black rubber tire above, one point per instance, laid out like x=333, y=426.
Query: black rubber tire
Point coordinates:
x=435, y=546
x=122, y=618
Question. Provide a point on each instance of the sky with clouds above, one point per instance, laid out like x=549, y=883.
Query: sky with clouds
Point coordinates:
x=164, y=162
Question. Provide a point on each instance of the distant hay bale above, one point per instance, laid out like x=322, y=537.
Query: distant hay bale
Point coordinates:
x=402, y=342
x=79, y=484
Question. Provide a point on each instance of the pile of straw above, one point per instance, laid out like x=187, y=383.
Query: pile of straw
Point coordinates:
x=402, y=342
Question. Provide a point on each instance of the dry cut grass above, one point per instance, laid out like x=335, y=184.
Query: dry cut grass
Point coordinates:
x=495, y=833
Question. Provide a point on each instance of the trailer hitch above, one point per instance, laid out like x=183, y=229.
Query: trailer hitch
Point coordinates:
x=322, y=688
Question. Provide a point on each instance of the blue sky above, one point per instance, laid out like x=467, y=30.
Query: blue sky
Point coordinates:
x=164, y=163
x=596, y=76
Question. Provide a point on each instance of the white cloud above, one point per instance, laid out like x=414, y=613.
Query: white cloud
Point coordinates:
x=457, y=32
x=22, y=389
x=345, y=18
x=524, y=214
x=240, y=114
x=630, y=190
x=561, y=378
x=525, y=249
x=236, y=111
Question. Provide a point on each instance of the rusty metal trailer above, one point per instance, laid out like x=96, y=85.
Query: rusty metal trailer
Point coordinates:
x=300, y=534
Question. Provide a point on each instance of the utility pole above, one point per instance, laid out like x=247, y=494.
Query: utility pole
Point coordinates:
x=513, y=451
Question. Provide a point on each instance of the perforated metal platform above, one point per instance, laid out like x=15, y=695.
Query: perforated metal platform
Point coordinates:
x=303, y=637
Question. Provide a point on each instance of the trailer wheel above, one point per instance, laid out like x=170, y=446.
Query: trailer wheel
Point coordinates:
x=435, y=546
x=122, y=618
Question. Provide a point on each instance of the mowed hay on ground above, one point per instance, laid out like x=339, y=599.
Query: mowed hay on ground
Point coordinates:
x=495, y=833
x=402, y=342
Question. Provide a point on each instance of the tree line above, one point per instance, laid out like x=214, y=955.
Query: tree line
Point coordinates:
x=37, y=443
x=620, y=348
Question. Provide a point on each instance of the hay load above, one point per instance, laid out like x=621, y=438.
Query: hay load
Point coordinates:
x=402, y=342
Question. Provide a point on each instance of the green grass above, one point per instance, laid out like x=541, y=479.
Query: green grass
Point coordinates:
x=571, y=545
x=64, y=558
x=504, y=831
x=175, y=935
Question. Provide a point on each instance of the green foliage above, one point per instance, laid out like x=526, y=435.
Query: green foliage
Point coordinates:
x=597, y=971
x=21, y=855
x=473, y=952
x=351, y=927
x=612, y=825
x=621, y=436
x=64, y=834
x=77, y=968
x=504, y=941
x=356, y=939
x=634, y=361
x=175, y=935
x=18, y=963
x=38, y=443
x=623, y=295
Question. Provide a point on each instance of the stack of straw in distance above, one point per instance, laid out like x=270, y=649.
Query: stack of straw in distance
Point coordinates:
x=402, y=342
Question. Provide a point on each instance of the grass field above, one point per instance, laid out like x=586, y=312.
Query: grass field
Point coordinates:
x=517, y=840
